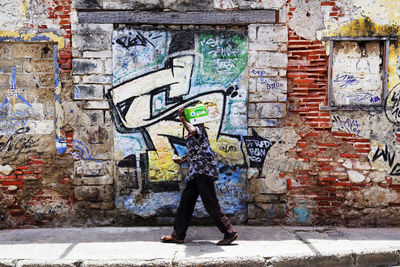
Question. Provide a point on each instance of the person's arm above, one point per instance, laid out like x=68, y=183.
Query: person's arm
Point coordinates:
x=189, y=127
x=180, y=160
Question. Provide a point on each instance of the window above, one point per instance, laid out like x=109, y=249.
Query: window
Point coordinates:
x=357, y=76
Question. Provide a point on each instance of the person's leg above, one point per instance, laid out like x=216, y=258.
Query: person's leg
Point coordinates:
x=185, y=210
x=208, y=195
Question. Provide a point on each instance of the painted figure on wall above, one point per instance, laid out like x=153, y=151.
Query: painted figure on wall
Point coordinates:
x=158, y=72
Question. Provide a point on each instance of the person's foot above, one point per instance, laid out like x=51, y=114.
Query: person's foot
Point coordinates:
x=170, y=239
x=228, y=239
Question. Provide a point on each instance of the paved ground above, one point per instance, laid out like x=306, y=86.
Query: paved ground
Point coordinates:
x=256, y=246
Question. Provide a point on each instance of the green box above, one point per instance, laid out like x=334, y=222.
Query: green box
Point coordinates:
x=201, y=113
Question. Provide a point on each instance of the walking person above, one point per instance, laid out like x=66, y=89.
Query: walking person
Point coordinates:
x=202, y=173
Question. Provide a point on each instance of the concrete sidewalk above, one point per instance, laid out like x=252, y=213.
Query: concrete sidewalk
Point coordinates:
x=256, y=246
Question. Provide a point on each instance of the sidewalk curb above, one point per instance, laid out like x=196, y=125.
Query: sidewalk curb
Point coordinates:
x=362, y=260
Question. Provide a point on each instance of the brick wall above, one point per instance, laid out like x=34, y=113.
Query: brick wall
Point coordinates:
x=323, y=192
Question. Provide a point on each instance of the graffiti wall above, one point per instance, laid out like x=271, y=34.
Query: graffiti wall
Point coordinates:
x=155, y=74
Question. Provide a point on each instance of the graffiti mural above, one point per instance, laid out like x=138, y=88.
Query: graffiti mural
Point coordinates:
x=156, y=73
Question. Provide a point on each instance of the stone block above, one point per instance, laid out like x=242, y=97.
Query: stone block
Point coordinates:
x=85, y=4
x=107, y=117
x=272, y=110
x=104, y=205
x=31, y=81
x=92, y=37
x=260, y=72
x=378, y=259
x=47, y=51
x=4, y=52
x=88, y=91
x=272, y=85
x=348, y=64
x=262, y=123
x=251, y=111
x=96, y=105
x=98, y=54
x=45, y=263
x=257, y=186
x=7, y=64
x=39, y=66
x=46, y=80
x=245, y=4
x=100, y=79
x=252, y=58
x=5, y=78
x=252, y=83
x=266, y=198
x=377, y=176
x=92, y=168
x=86, y=66
x=272, y=59
x=26, y=51
x=270, y=211
x=97, y=135
x=271, y=33
x=283, y=14
x=98, y=180
x=108, y=67
x=94, y=193
x=257, y=97
x=263, y=46
x=355, y=176
x=118, y=4
x=95, y=116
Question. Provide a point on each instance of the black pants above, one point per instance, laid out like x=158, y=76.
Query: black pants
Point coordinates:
x=204, y=186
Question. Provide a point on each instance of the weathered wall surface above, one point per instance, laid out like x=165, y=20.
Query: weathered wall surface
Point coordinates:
x=35, y=61
x=351, y=178
x=88, y=113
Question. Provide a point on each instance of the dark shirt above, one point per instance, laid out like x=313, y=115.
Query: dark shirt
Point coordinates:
x=200, y=156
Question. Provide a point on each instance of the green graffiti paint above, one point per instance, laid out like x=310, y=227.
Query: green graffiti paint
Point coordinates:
x=223, y=58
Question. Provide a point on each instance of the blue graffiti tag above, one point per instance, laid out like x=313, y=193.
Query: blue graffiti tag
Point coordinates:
x=365, y=96
x=302, y=215
x=83, y=152
x=345, y=80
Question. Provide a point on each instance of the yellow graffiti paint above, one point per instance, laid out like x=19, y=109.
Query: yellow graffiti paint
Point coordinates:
x=24, y=7
x=380, y=11
x=161, y=165
x=365, y=27
x=10, y=36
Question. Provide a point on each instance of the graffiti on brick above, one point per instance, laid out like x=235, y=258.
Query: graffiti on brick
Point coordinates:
x=389, y=158
x=347, y=125
x=17, y=142
x=286, y=165
x=257, y=149
x=392, y=105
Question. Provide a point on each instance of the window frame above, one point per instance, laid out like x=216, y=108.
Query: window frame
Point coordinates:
x=386, y=45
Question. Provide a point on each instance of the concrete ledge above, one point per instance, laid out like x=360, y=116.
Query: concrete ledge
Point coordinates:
x=362, y=260
x=257, y=246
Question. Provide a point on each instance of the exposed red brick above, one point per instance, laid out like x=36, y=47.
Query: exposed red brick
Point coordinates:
x=328, y=4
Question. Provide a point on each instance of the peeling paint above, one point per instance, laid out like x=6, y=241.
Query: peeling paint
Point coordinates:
x=10, y=36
